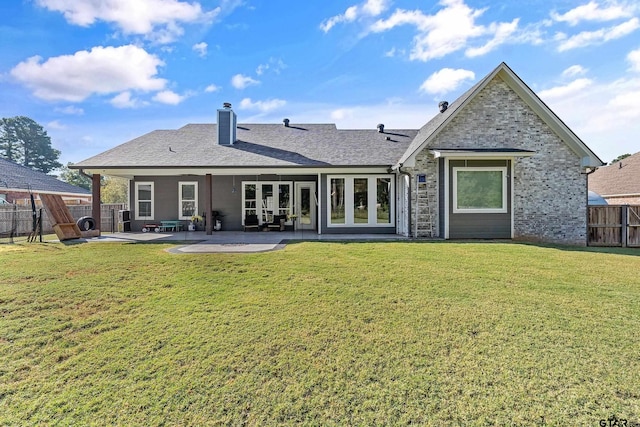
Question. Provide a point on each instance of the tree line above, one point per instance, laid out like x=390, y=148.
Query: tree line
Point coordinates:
x=25, y=142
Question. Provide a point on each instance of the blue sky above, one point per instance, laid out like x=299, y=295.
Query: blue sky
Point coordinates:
x=96, y=73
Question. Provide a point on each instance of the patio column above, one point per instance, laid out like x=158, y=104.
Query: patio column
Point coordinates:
x=95, y=199
x=207, y=204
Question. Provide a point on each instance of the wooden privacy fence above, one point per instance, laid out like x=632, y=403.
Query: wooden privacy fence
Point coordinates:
x=17, y=220
x=614, y=226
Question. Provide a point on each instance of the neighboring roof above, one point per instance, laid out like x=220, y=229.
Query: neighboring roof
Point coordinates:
x=619, y=179
x=430, y=130
x=257, y=145
x=17, y=177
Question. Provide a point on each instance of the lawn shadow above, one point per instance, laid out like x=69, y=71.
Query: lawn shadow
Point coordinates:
x=613, y=250
x=569, y=248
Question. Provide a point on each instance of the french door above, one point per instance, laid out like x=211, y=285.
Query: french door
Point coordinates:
x=306, y=206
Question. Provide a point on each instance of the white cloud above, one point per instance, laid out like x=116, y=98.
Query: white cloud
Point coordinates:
x=212, y=88
x=56, y=125
x=200, y=48
x=370, y=8
x=240, y=81
x=567, y=90
x=102, y=70
x=593, y=12
x=603, y=115
x=502, y=32
x=342, y=114
x=262, y=106
x=627, y=104
x=274, y=64
x=587, y=38
x=169, y=97
x=71, y=110
x=446, y=80
x=634, y=58
x=124, y=100
x=391, y=52
x=140, y=17
x=574, y=70
x=451, y=29
x=375, y=7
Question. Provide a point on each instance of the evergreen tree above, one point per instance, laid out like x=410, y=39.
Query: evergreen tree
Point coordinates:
x=25, y=142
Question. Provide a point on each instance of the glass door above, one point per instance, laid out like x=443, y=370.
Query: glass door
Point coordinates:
x=306, y=206
x=266, y=199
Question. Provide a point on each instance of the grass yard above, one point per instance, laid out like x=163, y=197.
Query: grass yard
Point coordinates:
x=435, y=334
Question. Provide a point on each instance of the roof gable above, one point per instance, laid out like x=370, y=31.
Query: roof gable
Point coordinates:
x=431, y=129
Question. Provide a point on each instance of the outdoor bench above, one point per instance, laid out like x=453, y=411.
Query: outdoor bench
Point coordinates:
x=173, y=225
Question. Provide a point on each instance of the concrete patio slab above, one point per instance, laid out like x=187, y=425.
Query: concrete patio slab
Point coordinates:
x=234, y=241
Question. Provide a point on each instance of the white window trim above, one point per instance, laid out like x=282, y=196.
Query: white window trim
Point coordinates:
x=137, y=216
x=372, y=191
x=276, y=201
x=180, y=200
x=503, y=209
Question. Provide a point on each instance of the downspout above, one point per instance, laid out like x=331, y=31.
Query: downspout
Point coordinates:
x=83, y=173
x=408, y=175
x=586, y=174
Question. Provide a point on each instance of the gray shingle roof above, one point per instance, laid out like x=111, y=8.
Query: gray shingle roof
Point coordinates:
x=16, y=176
x=622, y=177
x=437, y=121
x=258, y=145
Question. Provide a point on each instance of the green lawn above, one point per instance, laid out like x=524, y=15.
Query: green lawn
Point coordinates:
x=436, y=334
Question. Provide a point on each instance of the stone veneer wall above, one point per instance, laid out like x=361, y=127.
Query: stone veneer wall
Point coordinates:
x=550, y=190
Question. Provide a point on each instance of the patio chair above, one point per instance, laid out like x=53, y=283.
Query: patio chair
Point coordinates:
x=251, y=221
x=278, y=223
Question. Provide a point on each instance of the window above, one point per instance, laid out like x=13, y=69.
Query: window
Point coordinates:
x=479, y=190
x=187, y=199
x=266, y=199
x=360, y=201
x=249, y=204
x=284, y=199
x=383, y=205
x=337, y=201
x=144, y=200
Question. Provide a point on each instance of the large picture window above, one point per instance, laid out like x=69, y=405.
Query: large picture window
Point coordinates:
x=479, y=190
x=144, y=200
x=361, y=201
x=188, y=200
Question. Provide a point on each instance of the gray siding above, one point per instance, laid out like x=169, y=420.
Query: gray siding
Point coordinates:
x=480, y=225
x=224, y=199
